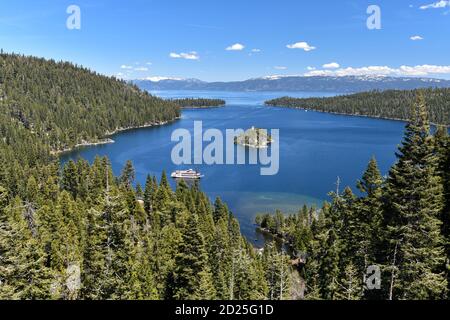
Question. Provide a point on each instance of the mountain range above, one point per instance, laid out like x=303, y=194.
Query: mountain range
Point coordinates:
x=346, y=84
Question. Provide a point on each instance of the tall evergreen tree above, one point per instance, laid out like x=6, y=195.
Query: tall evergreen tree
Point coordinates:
x=442, y=141
x=278, y=273
x=368, y=234
x=191, y=271
x=97, y=272
x=148, y=194
x=220, y=210
x=128, y=174
x=23, y=273
x=415, y=254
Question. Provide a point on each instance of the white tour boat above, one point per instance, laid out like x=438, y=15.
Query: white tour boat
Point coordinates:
x=187, y=174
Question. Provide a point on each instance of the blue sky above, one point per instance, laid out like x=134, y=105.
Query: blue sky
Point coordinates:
x=189, y=39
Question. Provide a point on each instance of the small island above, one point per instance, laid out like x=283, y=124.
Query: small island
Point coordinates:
x=198, y=103
x=254, y=138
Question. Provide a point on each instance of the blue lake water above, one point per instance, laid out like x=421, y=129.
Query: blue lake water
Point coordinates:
x=315, y=149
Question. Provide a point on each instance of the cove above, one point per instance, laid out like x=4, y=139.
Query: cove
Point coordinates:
x=315, y=149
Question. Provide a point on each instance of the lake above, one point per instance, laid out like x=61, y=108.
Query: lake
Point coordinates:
x=315, y=149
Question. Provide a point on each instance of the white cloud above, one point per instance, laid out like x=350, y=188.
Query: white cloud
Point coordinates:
x=310, y=68
x=332, y=65
x=436, y=5
x=236, y=47
x=125, y=67
x=157, y=79
x=301, y=45
x=188, y=56
x=256, y=50
x=425, y=70
x=419, y=70
x=148, y=63
x=280, y=68
x=416, y=38
x=141, y=69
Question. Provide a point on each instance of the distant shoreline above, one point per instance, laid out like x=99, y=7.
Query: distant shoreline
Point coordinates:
x=340, y=113
x=349, y=114
x=109, y=134
x=206, y=107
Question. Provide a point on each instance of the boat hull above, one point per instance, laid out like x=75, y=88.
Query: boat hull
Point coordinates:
x=188, y=175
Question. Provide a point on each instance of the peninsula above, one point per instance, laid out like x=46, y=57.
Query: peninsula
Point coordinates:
x=198, y=103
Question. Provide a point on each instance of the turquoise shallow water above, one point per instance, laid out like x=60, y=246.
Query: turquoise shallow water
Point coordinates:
x=315, y=148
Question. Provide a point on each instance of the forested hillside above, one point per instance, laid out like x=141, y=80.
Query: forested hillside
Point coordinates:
x=399, y=224
x=88, y=235
x=64, y=105
x=391, y=104
x=78, y=232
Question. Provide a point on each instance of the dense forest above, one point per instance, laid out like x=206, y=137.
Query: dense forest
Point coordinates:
x=198, y=102
x=64, y=105
x=399, y=223
x=85, y=234
x=78, y=232
x=391, y=104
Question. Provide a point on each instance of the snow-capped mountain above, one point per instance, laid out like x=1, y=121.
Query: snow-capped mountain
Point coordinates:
x=335, y=84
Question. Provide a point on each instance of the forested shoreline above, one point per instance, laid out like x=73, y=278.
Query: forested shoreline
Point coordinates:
x=200, y=103
x=63, y=104
x=390, y=104
x=400, y=224
x=79, y=232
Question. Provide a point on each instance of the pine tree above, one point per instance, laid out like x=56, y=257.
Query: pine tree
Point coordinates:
x=83, y=179
x=120, y=243
x=220, y=210
x=311, y=271
x=139, y=191
x=442, y=142
x=163, y=197
x=146, y=275
x=165, y=247
x=164, y=181
x=128, y=174
x=220, y=258
x=65, y=247
x=148, y=195
x=23, y=274
x=277, y=273
x=368, y=234
x=96, y=270
x=191, y=263
x=330, y=251
x=350, y=284
x=205, y=289
x=32, y=191
x=70, y=178
x=414, y=191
